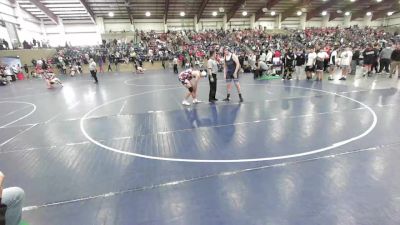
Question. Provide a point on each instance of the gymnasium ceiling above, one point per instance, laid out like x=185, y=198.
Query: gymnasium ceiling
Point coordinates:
x=87, y=10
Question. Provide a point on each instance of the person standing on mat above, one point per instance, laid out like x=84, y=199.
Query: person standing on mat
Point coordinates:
x=212, y=68
x=384, y=57
x=310, y=63
x=175, y=63
x=10, y=204
x=93, y=70
x=289, y=65
x=190, y=80
x=231, y=70
x=300, y=58
x=395, y=61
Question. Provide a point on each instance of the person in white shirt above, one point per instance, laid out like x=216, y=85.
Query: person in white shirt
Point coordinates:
x=175, y=63
x=332, y=63
x=93, y=70
x=345, y=62
x=310, y=63
x=212, y=68
x=269, y=57
x=263, y=57
x=321, y=56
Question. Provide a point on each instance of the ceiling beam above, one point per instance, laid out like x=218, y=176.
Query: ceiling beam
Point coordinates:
x=289, y=12
x=236, y=6
x=128, y=9
x=315, y=12
x=166, y=7
x=89, y=10
x=381, y=14
x=45, y=10
x=346, y=8
x=201, y=9
x=334, y=15
x=269, y=5
x=373, y=7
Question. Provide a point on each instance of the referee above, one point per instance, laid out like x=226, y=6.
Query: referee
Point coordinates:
x=212, y=68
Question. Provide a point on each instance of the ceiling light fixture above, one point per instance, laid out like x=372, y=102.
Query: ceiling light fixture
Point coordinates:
x=110, y=14
x=299, y=13
x=273, y=13
x=324, y=13
x=182, y=14
x=214, y=13
x=244, y=13
x=148, y=14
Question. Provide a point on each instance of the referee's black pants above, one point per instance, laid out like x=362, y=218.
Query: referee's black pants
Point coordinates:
x=94, y=75
x=213, y=87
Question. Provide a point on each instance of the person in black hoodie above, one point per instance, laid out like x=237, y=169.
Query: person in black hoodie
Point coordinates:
x=375, y=63
x=10, y=204
x=300, y=58
x=355, y=60
x=369, y=58
x=289, y=64
x=395, y=57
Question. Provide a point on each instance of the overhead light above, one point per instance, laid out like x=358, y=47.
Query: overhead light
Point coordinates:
x=264, y=10
x=214, y=13
x=273, y=13
x=339, y=11
x=221, y=10
x=390, y=13
x=148, y=14
x=369, y=14
x=378, y=0
x=352, y=0
x=182, y=13
x=110, y=14
x=324, y=13
x=244, y=13
x=347, y=13
x=299, y=13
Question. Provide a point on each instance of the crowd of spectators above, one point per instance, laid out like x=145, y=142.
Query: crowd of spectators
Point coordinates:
x=256, y=49
x=253, y=47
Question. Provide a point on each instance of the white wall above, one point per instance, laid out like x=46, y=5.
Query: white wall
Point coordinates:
x=7, y=12
x=239, y=23
x=314, y=22
x=75, y=34
x=117, y=25
x=28, y=27
x=149, y=24
x=291, y=23
x=4, y=35
x=180, y=24
x=212, y=23
x=394, y=20
x=336, y=22
x=269, y=23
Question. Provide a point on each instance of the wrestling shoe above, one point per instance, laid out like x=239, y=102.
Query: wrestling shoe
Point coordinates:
x=185, y=102
x=195, y=101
